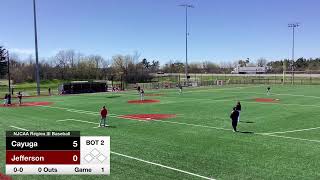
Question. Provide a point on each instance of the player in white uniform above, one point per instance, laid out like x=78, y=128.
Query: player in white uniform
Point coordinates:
x=268, y=90
x=141, y=94
x=180, y=89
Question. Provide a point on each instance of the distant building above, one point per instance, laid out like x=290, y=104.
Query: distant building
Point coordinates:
x=250, y=70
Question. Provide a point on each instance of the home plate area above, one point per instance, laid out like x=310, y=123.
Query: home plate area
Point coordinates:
x=27, y=104
x=266, y=100
x=148, y=117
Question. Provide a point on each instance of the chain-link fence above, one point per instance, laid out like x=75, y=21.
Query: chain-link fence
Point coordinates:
x=161, y=81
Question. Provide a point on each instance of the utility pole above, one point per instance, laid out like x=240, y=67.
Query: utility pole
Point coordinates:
x=283, y=71
x=36, y=47
x=186, y=65
x=293, y=26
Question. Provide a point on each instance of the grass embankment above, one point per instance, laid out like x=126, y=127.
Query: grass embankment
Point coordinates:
x=30, y=88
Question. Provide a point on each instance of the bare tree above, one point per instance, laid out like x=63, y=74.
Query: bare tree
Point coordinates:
x=210, y=67
x=61, y=62
x=261, y=62
x=195, y=67
x=155, y=65
x=136, y=55
x=3, y=63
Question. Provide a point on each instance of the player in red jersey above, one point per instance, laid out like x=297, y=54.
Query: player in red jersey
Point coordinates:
x=104, y=114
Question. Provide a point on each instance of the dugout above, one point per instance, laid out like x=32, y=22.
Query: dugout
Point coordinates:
x=82, y=87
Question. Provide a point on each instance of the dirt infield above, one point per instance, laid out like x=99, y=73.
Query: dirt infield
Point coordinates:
x=27, y=104
x=267, y=100
x=143, y=101
x=148, y=117
x=154, y=94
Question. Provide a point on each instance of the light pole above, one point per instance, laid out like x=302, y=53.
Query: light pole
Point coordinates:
x=293, y=26
x=186, y=65
x=36, y=47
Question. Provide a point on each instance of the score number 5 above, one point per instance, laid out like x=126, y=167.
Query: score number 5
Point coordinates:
x=75, y=157
x=75, y=144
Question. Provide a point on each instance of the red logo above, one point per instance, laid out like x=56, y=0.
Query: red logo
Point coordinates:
x=4, y=177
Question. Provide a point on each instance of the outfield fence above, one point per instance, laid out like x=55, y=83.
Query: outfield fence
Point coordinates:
x=171, y=80
x=162, y=81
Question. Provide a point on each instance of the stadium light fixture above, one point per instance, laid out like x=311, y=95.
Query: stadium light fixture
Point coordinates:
x=293, y=26
x=186, y=6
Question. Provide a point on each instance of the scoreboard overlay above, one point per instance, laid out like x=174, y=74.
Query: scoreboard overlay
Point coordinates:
x=56, y=152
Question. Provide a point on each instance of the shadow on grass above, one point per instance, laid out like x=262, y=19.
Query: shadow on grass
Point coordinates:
x=111, y=127
x=104, y=127
x=246, y=132
x=247, y=122
x=110, y=97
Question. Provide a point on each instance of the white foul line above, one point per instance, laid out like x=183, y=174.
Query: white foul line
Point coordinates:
x=196, y=125
x=160, y=165
x=128, y=118
x=287, y=137
x=77, y=110
x=212, y=127
x=19, y=128
x=188, y=99
x=77, y=120
x=119, y=117
x=130, y=157
x=298, y=130
x=296, y=95
x=89, y=122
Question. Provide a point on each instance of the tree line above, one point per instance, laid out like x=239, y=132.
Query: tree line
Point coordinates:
x=302, y=64
x=71, y=65
x=3, y=61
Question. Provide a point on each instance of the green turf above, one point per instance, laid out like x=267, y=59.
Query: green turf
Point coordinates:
x=196, y=145
x=29, y=88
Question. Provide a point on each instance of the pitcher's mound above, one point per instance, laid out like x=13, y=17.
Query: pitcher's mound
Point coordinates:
x=27, y=104
x=148, y=117
x=266, y=100
x=143, y=101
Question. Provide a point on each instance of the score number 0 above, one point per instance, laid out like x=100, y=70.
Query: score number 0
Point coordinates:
x=75, y=144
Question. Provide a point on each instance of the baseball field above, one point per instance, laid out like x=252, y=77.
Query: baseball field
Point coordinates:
x=188, y=135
